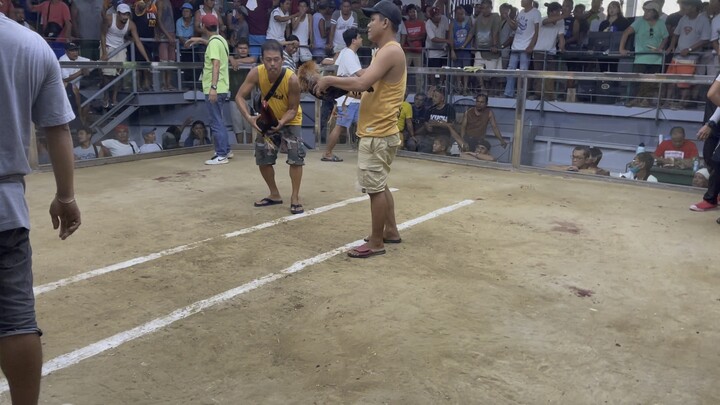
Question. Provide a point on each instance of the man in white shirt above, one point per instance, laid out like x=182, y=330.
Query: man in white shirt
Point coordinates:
x=436, y=40
x=552, y=33
x=341, y=21
x=72, y=54
x=279, y=20
x=85, y=149
x=150, y=145
x=121, y=145
x=348, y=107
x=526, y=26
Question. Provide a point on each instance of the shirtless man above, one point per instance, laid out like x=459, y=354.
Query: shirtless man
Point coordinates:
x=377, y=125
x=475, y=122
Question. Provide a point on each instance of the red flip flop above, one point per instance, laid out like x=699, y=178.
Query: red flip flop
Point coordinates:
x=363, y=252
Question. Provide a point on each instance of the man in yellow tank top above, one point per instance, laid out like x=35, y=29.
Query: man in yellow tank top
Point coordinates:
x=377, y=125
x=287, y=135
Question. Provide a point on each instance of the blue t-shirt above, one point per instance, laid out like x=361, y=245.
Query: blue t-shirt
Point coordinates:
x=182, y=31
x=31, y=88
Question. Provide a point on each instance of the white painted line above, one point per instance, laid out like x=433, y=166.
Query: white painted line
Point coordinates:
x=41, y=289
x=74, y=357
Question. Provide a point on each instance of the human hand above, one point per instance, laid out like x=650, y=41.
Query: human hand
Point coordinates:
x=529, y=50
x=504, y=144
x=66, y=216
x=253, y=122
x=322, y=85
x=212, y=96
x=493, y=49
x=624, y=52
x=187, y=121
x=453, y=56
x=704, y=132
x=685, y=52
x=277, y=127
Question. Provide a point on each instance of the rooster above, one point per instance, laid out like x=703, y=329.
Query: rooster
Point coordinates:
x=309, y=74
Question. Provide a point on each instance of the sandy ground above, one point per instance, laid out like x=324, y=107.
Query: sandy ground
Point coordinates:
x=546, y=289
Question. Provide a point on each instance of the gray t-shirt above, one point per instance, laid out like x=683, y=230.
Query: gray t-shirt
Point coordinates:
x=89, y=23
x=31, y=88
x=691, y=31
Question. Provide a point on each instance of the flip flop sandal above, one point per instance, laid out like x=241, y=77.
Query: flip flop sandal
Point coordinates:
x=331, y=159
x=364, y=253
x=296, y=209
x=266, y=202
x=386, y=240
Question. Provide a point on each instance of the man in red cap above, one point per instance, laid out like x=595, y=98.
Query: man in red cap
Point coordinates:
x=216, y=85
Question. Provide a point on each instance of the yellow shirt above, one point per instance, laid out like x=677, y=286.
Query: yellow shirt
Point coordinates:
x=405, y=113
x=379, y=109
x=279, y=101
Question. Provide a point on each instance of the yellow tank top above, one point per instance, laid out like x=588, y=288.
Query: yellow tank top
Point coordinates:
x=379, y=109
x=279, y=101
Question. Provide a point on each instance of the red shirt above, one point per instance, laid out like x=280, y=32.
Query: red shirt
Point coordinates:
x=414, y=29
x=58, y=13
x=667, y=150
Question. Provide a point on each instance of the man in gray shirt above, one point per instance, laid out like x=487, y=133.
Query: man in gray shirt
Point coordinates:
x=31, y=88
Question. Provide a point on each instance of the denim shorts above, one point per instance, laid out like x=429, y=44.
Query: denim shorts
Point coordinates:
x=347, y=115
x=288, y=140
x=17, y=301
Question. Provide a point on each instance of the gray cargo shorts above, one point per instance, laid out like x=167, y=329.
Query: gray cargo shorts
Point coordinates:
x=17, y=301
x=288, y=140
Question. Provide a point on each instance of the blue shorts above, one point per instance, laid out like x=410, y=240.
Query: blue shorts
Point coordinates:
x=347, y=115
x=255, y=42
x=17, y=301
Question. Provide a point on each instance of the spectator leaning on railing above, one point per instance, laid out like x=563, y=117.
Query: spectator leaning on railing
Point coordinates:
x=460, y=33
x=691, y=34
x=412, y=37
x=550, y=39
x=54, y=12
x=651, y=37
x=527, y=27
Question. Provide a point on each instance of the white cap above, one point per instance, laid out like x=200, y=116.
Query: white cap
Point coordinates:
x=705, y=173
x=123, y=8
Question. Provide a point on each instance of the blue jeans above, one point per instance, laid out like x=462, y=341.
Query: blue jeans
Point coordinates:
x=522, y=59
x=217, y=124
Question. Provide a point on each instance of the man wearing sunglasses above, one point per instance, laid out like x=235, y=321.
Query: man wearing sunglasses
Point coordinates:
x=651, y=37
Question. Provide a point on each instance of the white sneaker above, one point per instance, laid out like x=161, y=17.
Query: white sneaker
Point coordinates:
x=217, y=160
x=230, y=155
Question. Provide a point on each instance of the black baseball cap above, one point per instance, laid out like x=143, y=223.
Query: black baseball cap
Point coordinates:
x=387, y=9
x=71, y=46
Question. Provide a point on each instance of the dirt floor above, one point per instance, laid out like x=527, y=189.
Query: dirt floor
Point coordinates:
x=546, y=289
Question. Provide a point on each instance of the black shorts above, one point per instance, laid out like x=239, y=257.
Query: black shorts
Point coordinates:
x=17, y=301
x=436, y=62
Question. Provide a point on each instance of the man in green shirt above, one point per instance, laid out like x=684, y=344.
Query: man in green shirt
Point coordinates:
x=216, y=86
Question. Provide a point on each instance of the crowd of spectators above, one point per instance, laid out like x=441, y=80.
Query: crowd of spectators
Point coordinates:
x=569, y=37
x=432, y=35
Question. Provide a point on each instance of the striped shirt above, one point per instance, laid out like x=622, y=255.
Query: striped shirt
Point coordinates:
x=289, y=62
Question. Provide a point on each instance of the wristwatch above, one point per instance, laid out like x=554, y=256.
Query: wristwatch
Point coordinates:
x=689, y=49
x=214, y=87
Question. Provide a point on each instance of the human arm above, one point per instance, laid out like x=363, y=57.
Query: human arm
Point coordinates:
x=64, y=211
x=561, y=42
x=251, y=81
x=387, y=65
x=623, y=41
x=74, y=17
x=67, y=23
x=455, y=135
x=331, y=36
x=697, y=46
x=136, y=39
x=198, y=22
x=673, y=43
x=212, y=95
x=705, y=131
x=195, y=40
x=496, y=130
x=531, y=47
x=463, y=124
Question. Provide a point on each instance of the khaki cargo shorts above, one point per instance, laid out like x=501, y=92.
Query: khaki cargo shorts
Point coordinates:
x=375, y=155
